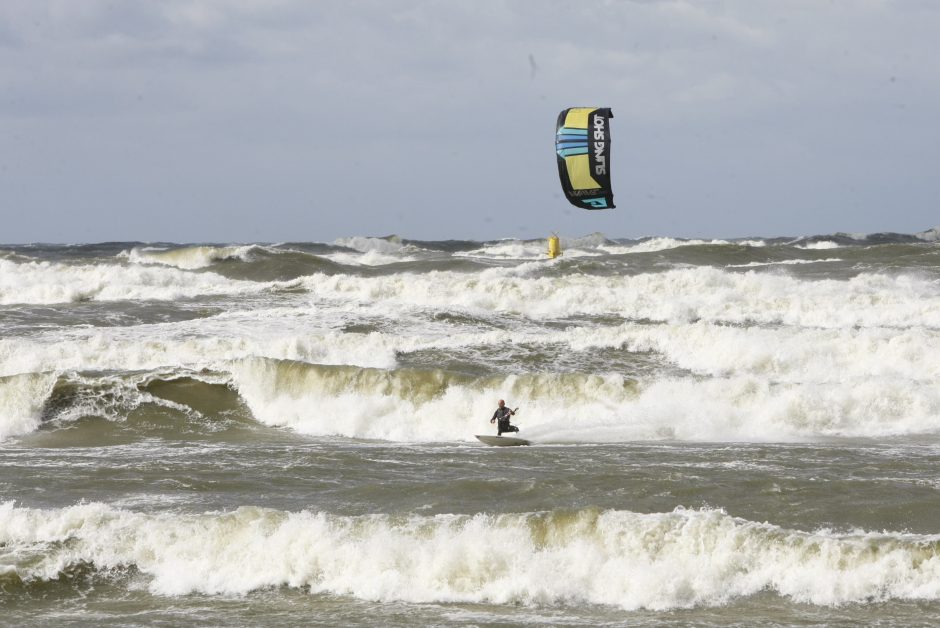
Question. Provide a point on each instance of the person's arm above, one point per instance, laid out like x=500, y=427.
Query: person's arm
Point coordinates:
x=493, y=420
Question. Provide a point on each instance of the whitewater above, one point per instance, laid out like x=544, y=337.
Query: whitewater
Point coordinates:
x=284, y=432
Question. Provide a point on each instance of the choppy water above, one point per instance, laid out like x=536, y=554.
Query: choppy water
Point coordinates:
x=727, y=432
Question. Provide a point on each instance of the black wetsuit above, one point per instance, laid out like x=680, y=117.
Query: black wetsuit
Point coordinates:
x=502, y=421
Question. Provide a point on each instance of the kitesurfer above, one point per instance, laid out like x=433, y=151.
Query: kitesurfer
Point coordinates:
x=501, y=418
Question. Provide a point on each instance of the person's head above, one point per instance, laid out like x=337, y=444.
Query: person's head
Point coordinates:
x=501, y=403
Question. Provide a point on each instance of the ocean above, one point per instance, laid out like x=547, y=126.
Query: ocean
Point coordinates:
x=725, y=432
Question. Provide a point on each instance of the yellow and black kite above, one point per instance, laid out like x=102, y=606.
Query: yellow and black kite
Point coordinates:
x=582, y=144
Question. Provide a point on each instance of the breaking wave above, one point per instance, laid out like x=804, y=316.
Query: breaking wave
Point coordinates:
x=373, y=251
x=715, y=382
x=51, y=282
x=430, y=405
x=190, y=257
x=679, y=295
x=30, y=401
x=652, y=245
x=660, y=561
x=21, y=402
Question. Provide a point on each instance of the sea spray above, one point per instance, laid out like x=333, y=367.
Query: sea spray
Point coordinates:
x=21, y=402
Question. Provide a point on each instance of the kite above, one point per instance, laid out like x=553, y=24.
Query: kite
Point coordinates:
x=582, y=144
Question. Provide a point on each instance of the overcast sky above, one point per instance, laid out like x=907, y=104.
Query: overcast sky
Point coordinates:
x=274, y=120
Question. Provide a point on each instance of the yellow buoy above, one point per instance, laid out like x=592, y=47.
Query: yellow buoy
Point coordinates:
x=554, y=246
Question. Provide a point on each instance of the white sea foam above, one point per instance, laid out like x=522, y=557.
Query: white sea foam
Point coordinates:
x=403, y=406
x=23, y=398
x=852, y=358
x=661, y=244
x=205, y=343
x=680, y=559
x=804, y=383
x=589, y=241
x=21, y=402
x=367, y=258
x=930, y=235
x=512, y=249
x=387, y=246
x=821, y=245
x=406, y=405
x=750, y=409
x=653, y=245
x=779, y=354
x=113, y=397
x=790, y=354
x=49, y=282
x=591, y=245
x=190, y=257
x=373, y=251
x=677, y=295
x=788, y=262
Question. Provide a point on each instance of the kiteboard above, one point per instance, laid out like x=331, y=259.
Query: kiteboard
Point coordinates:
x=502, y=441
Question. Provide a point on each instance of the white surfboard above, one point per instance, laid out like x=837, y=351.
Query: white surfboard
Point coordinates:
x=502, y=441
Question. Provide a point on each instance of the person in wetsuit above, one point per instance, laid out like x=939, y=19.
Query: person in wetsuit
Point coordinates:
x=501, y=418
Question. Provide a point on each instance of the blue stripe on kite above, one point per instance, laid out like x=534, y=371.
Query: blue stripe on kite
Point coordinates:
x=567, y=152
x=569, y=131
x=572, y=150
x=570, y=143
x=571, y=138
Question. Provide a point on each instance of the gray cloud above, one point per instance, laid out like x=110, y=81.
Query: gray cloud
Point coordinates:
x=243, y=120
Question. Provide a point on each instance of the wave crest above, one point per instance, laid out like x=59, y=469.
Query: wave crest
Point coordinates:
x=189, y=257
x=53, y=282
x=630, y=560
x=22, y=398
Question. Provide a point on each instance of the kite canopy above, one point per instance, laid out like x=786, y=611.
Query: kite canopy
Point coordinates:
x=582, y=144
